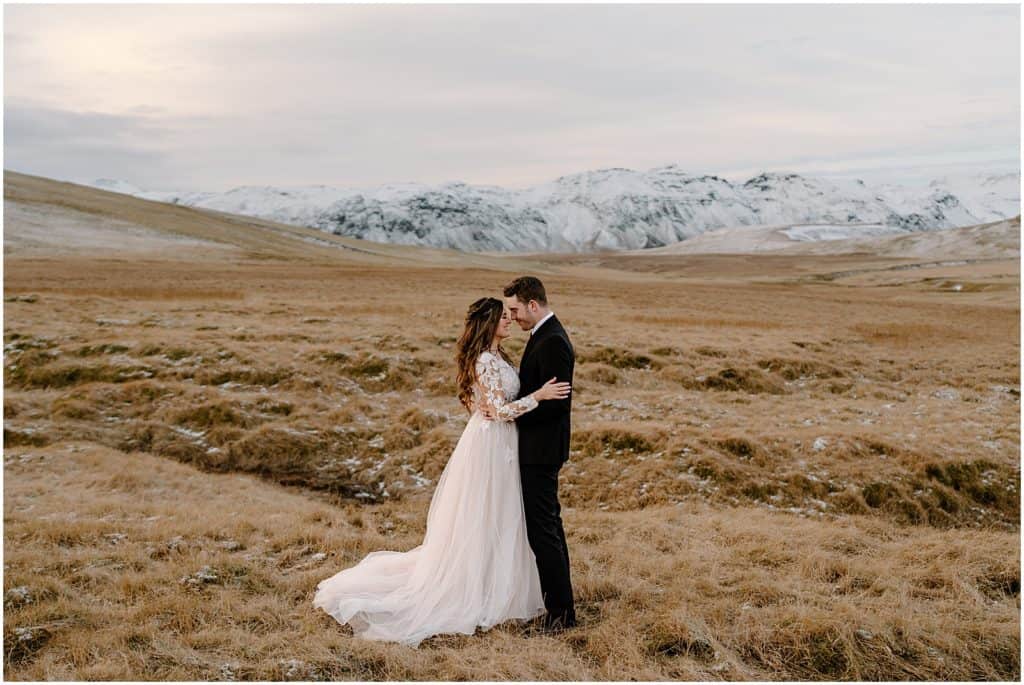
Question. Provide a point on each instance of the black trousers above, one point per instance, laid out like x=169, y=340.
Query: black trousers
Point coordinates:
x=547, y=539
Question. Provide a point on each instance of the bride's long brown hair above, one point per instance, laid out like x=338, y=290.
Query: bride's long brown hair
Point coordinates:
x=482, y=321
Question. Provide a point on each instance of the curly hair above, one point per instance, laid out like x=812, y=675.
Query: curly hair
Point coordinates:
x=482, y=321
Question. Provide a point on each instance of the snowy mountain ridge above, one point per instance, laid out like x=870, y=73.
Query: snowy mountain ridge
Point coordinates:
x=612, y=208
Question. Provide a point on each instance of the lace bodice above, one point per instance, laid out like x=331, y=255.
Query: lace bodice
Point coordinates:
x=497, y=382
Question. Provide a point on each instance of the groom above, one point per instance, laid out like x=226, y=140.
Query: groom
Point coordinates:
x=544, y=443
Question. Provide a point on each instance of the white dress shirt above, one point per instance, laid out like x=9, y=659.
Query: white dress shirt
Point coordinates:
x=541, y=322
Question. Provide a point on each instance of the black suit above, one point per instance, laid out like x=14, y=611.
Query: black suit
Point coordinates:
x=543, y=448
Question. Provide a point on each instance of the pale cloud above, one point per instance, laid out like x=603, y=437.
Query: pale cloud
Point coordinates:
x=209, y=97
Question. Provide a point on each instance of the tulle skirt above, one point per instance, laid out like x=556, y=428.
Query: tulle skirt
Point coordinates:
x=474, y=566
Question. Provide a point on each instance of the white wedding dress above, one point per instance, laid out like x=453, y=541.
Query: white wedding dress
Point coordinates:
x=475, y=566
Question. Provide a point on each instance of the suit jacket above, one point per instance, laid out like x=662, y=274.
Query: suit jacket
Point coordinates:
x=544, y=431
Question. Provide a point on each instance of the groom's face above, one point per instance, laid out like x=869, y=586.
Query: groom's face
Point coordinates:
x=522, y=313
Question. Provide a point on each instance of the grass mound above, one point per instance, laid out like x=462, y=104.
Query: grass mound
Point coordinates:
x=36, y=369
x=603, y=441
x=619, y=358
x=601, y=373
x=242, y=375
x=792, y=369
x=732, y=379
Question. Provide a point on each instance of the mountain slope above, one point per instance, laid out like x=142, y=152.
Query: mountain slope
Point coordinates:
x=999, y=239
x=45, y=216
x=608, y=208
x=995, y=240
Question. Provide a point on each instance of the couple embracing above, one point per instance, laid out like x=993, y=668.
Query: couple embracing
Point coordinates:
x=494, y=548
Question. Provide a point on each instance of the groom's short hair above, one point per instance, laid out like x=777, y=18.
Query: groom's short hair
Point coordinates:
x=526, y=288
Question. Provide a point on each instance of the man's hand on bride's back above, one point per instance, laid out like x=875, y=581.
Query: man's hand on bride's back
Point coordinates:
x=553, y=390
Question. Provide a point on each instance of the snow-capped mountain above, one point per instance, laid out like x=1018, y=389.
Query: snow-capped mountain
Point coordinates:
x=610, y=208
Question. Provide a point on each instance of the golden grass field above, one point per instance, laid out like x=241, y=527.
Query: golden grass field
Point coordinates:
x=799, y=467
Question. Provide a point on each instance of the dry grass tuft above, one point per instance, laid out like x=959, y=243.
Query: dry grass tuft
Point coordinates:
x=279, y=451
x=620, y=359
x=602, y=441
x=601, y=373
x=792, y=369
x=732, y=379
x=33, y=372
x=240, y=375
x=708, y=351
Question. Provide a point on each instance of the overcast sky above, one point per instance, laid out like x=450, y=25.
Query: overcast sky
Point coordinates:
x=212, y=97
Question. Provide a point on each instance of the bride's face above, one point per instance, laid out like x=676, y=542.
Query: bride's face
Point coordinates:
x=504, y=326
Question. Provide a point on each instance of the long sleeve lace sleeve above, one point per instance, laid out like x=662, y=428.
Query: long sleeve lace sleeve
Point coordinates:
x=488, y=371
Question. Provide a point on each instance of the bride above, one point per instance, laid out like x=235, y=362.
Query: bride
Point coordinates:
x=474, y=566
